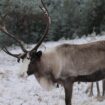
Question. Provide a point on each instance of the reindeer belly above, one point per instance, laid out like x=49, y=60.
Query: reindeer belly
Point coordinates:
x=96, y=76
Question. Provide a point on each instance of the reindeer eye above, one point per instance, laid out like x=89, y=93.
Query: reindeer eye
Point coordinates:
x=39, y=54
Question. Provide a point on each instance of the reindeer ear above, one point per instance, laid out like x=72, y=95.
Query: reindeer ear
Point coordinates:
x=39, y=54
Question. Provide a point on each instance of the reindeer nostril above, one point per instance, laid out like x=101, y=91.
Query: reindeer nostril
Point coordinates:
x=28, y=73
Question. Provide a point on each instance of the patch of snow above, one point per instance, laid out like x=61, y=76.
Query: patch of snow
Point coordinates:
x=16, y=90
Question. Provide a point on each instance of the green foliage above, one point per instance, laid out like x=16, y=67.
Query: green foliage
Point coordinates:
x=70, y=18
x=4, y=41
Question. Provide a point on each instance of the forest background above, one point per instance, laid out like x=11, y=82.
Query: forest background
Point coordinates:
x=70, y=19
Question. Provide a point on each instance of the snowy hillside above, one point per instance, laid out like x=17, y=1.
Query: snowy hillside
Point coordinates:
x=16, y=90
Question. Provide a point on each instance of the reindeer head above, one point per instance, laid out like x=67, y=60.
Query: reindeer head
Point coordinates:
x=35, y=63
x=32, y=55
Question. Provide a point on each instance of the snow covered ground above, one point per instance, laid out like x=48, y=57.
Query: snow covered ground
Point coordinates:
x=15, y=90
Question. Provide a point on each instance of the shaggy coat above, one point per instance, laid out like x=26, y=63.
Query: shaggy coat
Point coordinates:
x=68, y=63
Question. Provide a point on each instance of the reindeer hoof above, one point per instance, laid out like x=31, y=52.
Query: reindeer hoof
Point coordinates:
x=100, y=98
x=90, y=95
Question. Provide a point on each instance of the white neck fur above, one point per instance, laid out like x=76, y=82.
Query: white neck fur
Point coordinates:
x=24, y=67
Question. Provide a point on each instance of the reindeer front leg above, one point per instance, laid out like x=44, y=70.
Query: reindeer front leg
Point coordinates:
x=68, y=86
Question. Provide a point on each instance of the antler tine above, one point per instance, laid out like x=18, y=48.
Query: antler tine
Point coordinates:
x=18, y=56
x=4, y=30
x=9, y=53
x=45, y=11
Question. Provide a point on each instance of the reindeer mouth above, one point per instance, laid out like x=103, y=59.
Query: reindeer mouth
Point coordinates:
x=29, y=73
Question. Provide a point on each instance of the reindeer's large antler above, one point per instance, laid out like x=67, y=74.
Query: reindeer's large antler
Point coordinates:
x=4, y=30
x=18, y=56
x=22, y=56
x=45, y=11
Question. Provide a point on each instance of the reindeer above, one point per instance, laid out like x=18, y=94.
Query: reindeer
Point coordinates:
x=63, y=64
x=90, y=89
x=100, y=96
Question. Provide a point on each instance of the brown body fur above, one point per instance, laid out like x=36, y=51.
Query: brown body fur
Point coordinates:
x=74, y=60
